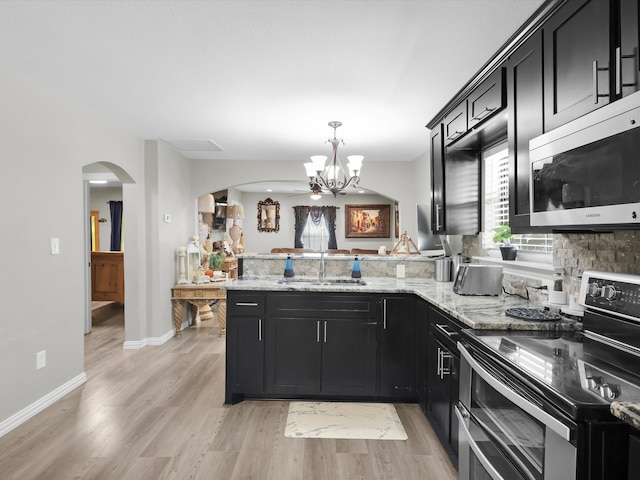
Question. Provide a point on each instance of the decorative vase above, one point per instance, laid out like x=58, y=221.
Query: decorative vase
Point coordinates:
x=508, y=252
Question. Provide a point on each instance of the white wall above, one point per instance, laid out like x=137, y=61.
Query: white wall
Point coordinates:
x=44, y=142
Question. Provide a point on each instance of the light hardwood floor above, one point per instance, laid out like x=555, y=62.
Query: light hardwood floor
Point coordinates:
x=158, y=413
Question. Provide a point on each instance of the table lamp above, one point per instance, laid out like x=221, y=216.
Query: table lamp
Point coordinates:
x=235, y=232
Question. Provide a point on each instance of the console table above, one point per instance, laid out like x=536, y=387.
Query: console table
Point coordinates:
x=197, y=296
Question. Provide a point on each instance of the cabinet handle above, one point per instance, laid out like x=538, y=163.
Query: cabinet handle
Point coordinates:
x=485, y=112
x=246, y=304
x=441, y=370
x=438, y=208
x=597, y=69
x=325, y=331
x=445, y=329
x=318, y=331
x=618, y=71
x=619, y=58
x=454, y=135
x=384, y=313
x=259, y=329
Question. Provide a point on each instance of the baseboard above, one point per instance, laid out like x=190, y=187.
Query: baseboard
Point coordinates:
x=36, y=407
x=153, y=341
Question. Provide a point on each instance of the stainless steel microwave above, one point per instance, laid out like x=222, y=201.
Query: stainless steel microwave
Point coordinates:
x=586, y=173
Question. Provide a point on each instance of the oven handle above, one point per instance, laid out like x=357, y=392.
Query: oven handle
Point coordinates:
x=533, y=410
x=486, y=463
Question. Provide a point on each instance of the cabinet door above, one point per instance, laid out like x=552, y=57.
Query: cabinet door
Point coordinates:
x=422, y=327
x=438, y=219
x=439, y=392
x=455, y=124
x=349, y=351
x=245, y=354
x=487, y=99
x=577, y=66
x=525, y=121
x=397, y=347
x=293, y=356
x=627, y=57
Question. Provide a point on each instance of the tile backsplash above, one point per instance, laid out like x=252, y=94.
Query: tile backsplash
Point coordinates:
x=576, y=252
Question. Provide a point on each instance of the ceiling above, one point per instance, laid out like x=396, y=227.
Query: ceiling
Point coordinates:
x=259, y=80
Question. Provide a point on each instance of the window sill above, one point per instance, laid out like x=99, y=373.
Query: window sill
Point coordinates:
x=541, y=270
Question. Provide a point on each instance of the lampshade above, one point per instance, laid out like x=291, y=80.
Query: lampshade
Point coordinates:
x=206, y=203
x=235, y=211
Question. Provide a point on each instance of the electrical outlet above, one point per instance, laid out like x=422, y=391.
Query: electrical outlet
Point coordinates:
x=41, y=359
x=400, y=271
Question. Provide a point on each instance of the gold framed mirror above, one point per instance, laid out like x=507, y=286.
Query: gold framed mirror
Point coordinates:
x=268, y=216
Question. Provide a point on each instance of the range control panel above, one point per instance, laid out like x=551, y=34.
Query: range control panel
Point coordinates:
x=617, y=293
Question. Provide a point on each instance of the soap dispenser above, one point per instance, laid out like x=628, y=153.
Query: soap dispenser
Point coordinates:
x=288, y=267
x=355, y=270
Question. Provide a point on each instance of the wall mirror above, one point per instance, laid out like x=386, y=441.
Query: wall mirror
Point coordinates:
x=268, y=216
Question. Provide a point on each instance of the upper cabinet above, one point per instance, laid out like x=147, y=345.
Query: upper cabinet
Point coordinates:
x=437, y=180
x=525, y=113
x=626, y=54
x=455, y=123
x=487, y=99
x=590, y=57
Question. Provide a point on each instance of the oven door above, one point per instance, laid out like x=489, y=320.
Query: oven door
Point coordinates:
x=506, y=431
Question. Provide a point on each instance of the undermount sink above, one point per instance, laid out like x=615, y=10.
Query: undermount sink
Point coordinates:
x=319, y=281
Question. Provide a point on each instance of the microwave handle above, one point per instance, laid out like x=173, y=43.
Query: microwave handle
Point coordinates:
x=463, y=418
x=533, y=410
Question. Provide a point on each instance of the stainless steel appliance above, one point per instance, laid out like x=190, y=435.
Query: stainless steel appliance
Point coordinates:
x=536, y=405
x=584, y=175
x=474, y=279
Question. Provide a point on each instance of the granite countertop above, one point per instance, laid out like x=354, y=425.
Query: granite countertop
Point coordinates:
x=478, y=312
x=628, y=412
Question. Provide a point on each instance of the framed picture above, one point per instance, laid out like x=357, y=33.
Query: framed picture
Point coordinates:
x=367, y=221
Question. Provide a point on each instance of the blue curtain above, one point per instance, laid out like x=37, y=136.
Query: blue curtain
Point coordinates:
x=115, y=206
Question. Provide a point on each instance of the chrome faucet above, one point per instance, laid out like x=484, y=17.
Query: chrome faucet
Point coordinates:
x=321, y=270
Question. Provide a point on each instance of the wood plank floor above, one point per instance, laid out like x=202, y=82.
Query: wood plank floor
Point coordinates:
x=158, y=413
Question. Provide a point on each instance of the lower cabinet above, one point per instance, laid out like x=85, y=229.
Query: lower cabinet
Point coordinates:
x=321, y=356
x=398, y=346
x=443, y=366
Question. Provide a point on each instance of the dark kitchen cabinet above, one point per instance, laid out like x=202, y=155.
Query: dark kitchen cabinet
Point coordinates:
x=438, y=215
x=398, y=346
x=318, y=343
x=578, y=67
x=349, y=350
x=487, y=99
x=525, y=121
x=443, y=366
x=455, y=123
x=422, y=332
x=627, y=53
x=245, y=344
x=293, y=361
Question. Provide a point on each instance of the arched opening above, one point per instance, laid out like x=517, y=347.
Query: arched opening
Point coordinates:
x=104, y=246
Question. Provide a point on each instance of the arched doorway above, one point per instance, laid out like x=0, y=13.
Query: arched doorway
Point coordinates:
x=105, y=262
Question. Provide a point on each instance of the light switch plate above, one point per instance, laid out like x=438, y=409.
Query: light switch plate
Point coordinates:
x=55, y=246
x=41, y=359
x=167, y=218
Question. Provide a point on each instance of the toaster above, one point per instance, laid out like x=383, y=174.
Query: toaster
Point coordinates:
x=474, y=279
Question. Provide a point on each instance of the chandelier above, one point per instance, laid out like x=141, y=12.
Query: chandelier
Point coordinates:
x=332, y=177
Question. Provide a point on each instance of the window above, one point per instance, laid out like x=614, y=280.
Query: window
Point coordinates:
x=314, y=236
x=496, y=204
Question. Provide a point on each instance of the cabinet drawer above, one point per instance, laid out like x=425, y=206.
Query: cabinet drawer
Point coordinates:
x=320, y=305
x=455, y=124
x=486, y=99
x=245, y=304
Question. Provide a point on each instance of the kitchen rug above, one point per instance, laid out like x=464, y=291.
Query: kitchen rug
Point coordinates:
x=344, y=420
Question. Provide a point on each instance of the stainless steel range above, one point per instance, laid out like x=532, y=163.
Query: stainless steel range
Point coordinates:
x=536, y=405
